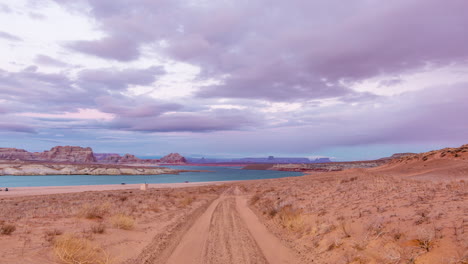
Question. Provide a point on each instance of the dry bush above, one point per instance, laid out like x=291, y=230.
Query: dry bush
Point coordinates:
x=122, y=221
x=254, y=199
x=50, y=235
x=186, y=201
x=7, y=229
x=94, y=211
x=291, y=218
x=70, y=249
x=425, y=239
x=98, y=228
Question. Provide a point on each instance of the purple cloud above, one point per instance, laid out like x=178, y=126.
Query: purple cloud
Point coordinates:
x=139, y=107
x=262, y=55
x=4, y=8
x=118, y=48
x=114, y=79
x=13, y=127
x=49, y=61
x=186, y=122
x=8, y=36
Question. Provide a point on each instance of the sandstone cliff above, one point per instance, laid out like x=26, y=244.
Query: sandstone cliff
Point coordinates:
x=68, y=154
x=56, y=154
x=15, y=154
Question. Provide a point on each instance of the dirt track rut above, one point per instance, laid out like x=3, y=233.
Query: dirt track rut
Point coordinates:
x=229, y=232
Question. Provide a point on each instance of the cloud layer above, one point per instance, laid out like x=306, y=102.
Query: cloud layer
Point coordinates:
x=290, y=76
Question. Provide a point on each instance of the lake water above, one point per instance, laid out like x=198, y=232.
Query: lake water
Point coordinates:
x=216, y=174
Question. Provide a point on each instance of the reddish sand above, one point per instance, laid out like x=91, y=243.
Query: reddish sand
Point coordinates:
x=28, y=191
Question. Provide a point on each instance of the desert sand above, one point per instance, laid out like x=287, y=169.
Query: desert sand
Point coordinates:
x=31, y=191
x=408, y=211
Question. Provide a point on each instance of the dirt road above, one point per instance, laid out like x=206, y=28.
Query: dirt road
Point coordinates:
x=226, y=232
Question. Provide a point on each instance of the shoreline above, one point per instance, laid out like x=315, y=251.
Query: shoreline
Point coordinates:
x=47, y=190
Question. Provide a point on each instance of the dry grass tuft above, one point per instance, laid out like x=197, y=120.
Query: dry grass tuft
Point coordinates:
x=291, y=218
x=122, y=221
x=98, y=228
x=254, y=199
x=94, y=211
x=186, y=201
x=50, y=235
x=70, y=249
x=7, y=229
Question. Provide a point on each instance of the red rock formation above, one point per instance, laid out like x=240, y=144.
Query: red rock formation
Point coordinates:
x=56, y=154
x=173, y=158
x=14, y=154
x=68, y=154
x=83, y=155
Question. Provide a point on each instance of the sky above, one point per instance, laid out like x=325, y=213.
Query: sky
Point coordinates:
x=348, y=80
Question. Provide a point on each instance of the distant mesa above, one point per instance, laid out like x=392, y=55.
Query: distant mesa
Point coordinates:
x=266, y=160
x=75, y=154
x=112, y=158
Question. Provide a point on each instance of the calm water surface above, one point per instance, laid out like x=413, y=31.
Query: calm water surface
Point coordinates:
x=216, y=174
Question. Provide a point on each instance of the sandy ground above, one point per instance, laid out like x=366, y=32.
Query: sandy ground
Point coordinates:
x=415, y=213
x=45, y=190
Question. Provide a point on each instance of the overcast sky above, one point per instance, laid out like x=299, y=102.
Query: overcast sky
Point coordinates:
x=344, y=79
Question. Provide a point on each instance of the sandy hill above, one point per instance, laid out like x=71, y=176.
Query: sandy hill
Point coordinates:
x=444, y=164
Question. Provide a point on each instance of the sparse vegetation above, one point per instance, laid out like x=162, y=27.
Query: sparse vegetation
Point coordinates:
x=254, y=199
x=7, y=229
x=94, y=211
x=426, y=239
x=186, y=201
x=50, y=235
x=98, y=228
x=70, y=249
x=123, y=221
x=291, y=218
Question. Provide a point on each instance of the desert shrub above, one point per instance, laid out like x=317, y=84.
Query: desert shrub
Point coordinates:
x=7, y=229
x=290, y=218
x=425, y=239
x=186, y=201
x=254, y=199
x=94, y=211
x=70, y=249
x=122, y=221
x=51, y=234
x=98, y=228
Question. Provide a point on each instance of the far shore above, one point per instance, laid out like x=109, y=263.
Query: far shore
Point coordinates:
x=46, y=190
